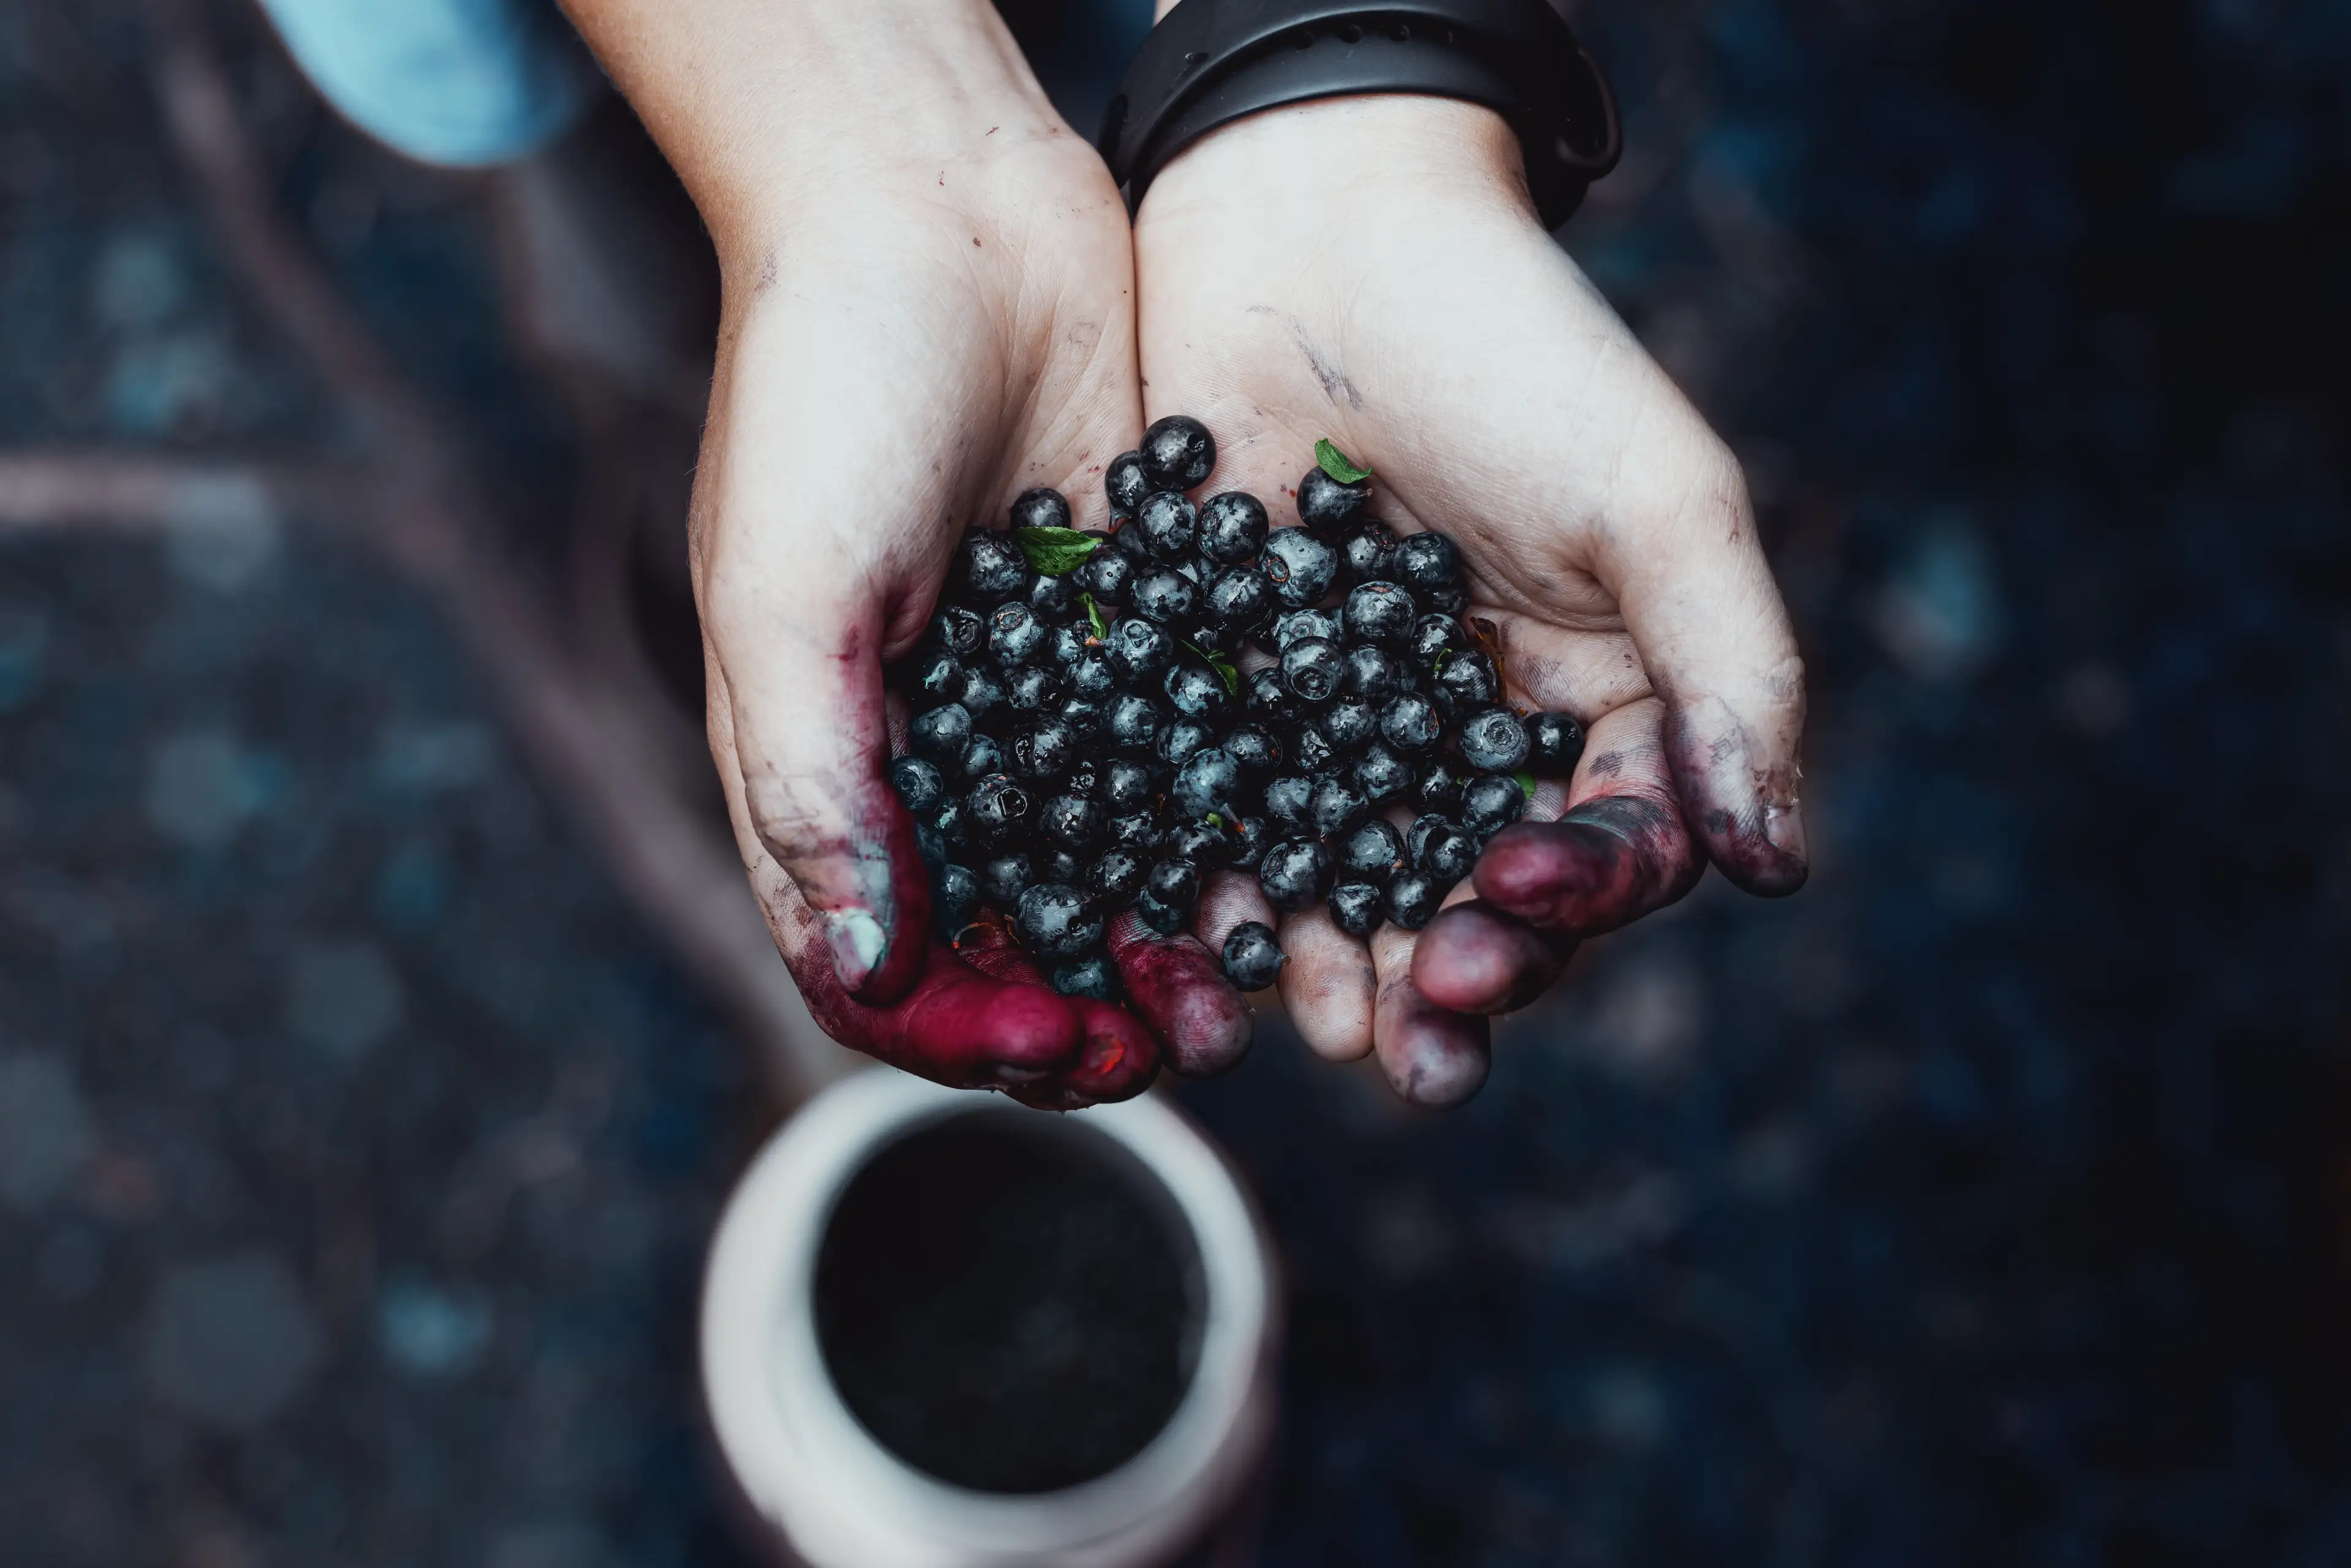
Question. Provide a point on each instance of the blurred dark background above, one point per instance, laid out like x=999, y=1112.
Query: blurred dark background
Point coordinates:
x=362, y=1127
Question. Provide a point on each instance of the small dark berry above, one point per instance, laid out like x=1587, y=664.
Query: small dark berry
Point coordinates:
x=1425, y=826
x=941, y=734
x=1356, y=907
x=1410, y=723
x=1347, y=724
x=1491, y=802
x=1173, y=883
x=954, y=899
x=1178, y=453
x=950, y=822
x=1326, y=505
x=1338, y=804
x=1180, y=740
x=1291, y=625
x=1041, y=508
x=1058, y=865
x=1091, y=976
x=1054, y=600
x=1134, y=722
x=1250, y=837
x=1139, y=649
x=1126, y=784
x=1169, y=523
x=1266, y=700
x=1239, y=599
x=1196, y=691
x=1005, y=878
x=990, y=566
x=1554, y=744
x=1117, y=877
x=998, y=807
x=1436, y=635
x=1084, y=779
x=937, y=677
x=1253, y=960
x=1106, y=574
x=1160, y=915
x=1127, y=538
x=1494, y=741
x=1380, y=613
x=1468, y=682
x=1056, y=920
x=1428, y=562
x=983, y=692
x=1450, y=600
x=1437, y=788
x=958, y=629
x=1368, y=549
x=1166, y=596
x=1125, y=482
x=1206, y=783
x=1015, y=635
x=1044, y=751
x=1373, y=674
x=1290, y=801
x=1092, y=675
x=1255, y=749
x=1071, y=821
x=1036, y=688
x=1136, y=831
x=1200, y=846
x=1382, y=775
x=1312, y=670
x=1448, y=855
x=919, y=783
x=1413, y=899
x=1296, y=873
x=1066, y=646
x=1312, y=755
x=984, y=756
x=1232, y=527
x=1300, y=566
x=1372, y=851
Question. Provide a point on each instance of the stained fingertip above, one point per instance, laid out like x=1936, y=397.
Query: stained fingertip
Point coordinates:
x=1474, y=959
x=1327, y=986
x=1117, y=1060
x=977, y=1026
x=1743, y=798
x=1609, y=861
x=1433, y=1056
x=1179, y=989
x=878, y=951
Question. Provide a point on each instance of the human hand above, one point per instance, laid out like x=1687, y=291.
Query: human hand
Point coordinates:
x=1370, y=270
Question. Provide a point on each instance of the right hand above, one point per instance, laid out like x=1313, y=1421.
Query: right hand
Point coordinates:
x=928, y=310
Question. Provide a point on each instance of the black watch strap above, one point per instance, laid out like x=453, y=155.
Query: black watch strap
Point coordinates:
x=1210, y=62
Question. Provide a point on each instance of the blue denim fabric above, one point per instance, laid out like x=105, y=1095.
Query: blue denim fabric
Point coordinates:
x=464, y=83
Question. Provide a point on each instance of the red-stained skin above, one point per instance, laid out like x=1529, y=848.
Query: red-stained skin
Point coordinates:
x=904, y=961
x=1606, y=862
x=1708, y=768
x=1180, y=988
x=1474, y=959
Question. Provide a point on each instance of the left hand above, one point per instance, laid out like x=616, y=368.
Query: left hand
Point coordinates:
x=1370, y=269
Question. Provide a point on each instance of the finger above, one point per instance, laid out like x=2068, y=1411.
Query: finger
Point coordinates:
x=1433, y=1056
x=1231, y=899
x=1118, y=1061
x=1475, y=958
x=1179, y=989
x=1328, y=986
x=1619, y=851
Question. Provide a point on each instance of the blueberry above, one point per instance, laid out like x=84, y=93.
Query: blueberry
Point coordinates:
x=1296, y=873
x=1127, y=538
x=1005, y=878
x=1041, y=508
x=1036, y=688
x=1312, y=670
x=1337, y=804
x=1091, y=976
x=1468, y=682
x=1253, y=960
x=1116, y=877
x=919, y=783
x=1380, y=613
x=1044, y=751
x=1312, y=755
x=937, y=678
x=1084, y=777
x=1413, y=899
x=1293, y=624
x=1450, y=600
x=1347, y=724
x=1066, y=646
x=1448, y=855
x=1016, y=636
x=1178, y=453
x=998, y=807
x=1169, y=523
x=954, y=899
x=1134, y=723
x=1073, y=822
x=941, y=734
x=1410, y=723
x=1056, y=920
x=1173, y=883
x=1053, y=600
x=1232, y=527
x=1125, y=482
x=1433, y=635
x=1326, y=505
x=1107, y=575
x=1126, y=785
x=1166, y=596
x=1196, y=691
x=990, y=566
x=1239, y=599
x=1372, y=851
x=950, y=823
x=1268, y=701
x=1255, y=749
x=1290, y=801
x=1180, y=740
x=958, y=631
x=1428, y=562
x=1356, y=906
x=1300, y=566
x=1134, y=831
x=984, y=756
x=1425, y=826
x=1494, y=741
x=1200, y=846
x=1093, y=676
x=1437, y=787
x=1491, y=802
x=1140, y=650
x=1383, y=776
x=1058, y=865
x=1372, y=675
x=1206, y=783
x=1160, y=915
x=983, y=692
x=1555, y=743
x=1367, y=550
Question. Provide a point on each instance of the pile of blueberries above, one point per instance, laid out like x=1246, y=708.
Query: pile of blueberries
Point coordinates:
x=1084, y=740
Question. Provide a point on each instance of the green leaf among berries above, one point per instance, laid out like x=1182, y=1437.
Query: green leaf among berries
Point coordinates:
x=1055, y=552
x=1527, y=783
x=1223, y=668
x=1338, y=465
x=1094, y=615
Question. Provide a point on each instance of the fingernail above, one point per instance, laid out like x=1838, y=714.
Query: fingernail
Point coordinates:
x=858, y=944
x=1783, y=826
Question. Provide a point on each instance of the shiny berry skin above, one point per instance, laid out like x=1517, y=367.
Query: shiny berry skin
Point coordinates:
x=1326, y=505
x=1239, y=599
x=1058, y=865
x=958, y=631
x=1073, y=822
x=1197, y=692
x=1289, y=802
x=1428, y=562
x=983, y=757
x=1056, y=920
x=1296, y=874
x=1450, y=600
x=1092, y=675
x=1126, y=784
x=1410, y=723
x=1448, y=855
x=1312, y=755
x=919, y=783
x=1233, y=527
x=937, y=677
x=1356, y=907
x=1437, y=787
x=1433, y=635
x=1255, y=749
x=1372, y=851
x=1173, y=883
x=1383, y=776
x=1300, y=566
x=1160, y=915
x=1380, y=613
x=950, y=822
x=1091, y=976
x=1413, y=900
x=1373, y=674
x=989, y=567
x=1137, y=830
x=1250, y=836
x=1005, y=878
x=1125, y=482
x=1106, y=574
x=1066, y=647
x=1312, y=670
x=1043, y=752
x=1554, y=745
x=1084, y=777
x=1424, y=827
x=1367, y=550
x=1182, y=739
x=1468, y=682
x=1140, y=650
x=1015, y=635
x=1117, y=877
x=1268, y=701
x=1494, y=741
x=1208, y=783
x=1169, y=523
x=1127, y=538
x=1198, y=845
x=941, y=734
x=1036, y=689
x=1337, y=804
x=1166, y=596
x=1491, y=802
x=1134, y=722
x=983, y=692
x=1291, y=625
x=1053, y=600
x=1253, y=960
x=1347, y=724
x=954, y=899
x=997, y=807
x=1178, y=453
x=1041, y=508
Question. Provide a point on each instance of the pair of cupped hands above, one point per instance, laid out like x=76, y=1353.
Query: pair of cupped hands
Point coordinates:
x=934, y=300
